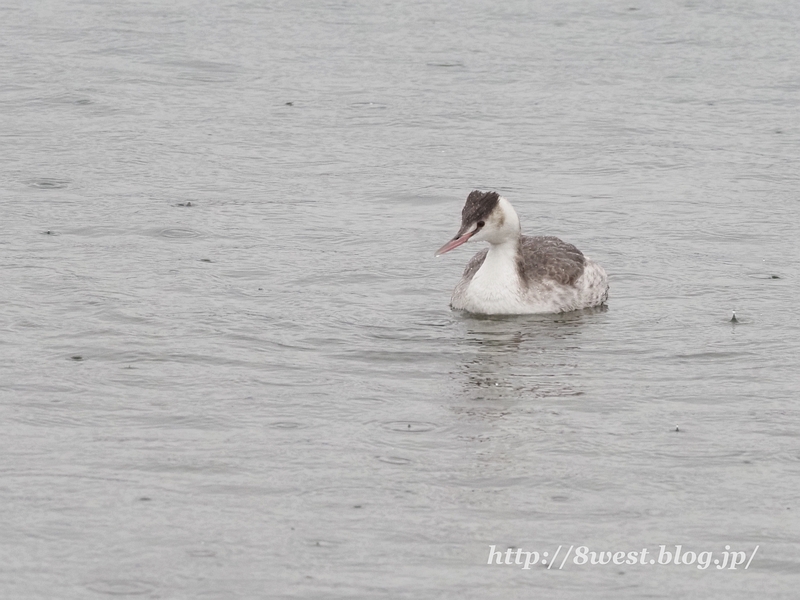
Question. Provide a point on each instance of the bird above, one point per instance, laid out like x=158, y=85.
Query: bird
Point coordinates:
x=519, y=274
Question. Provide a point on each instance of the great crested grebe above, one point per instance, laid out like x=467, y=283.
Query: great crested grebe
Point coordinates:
x=518, y=274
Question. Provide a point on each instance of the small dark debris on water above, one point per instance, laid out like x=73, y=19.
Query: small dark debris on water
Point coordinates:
x=290, y=104
x=356, y=506
x=774, y=276
x=48, y=232
x=779, y=131
x=260, y=289
x=677, y=429
x=76, y=357
x=733, y=318
x=145, y=499
x=186, y=204
x=205, y=260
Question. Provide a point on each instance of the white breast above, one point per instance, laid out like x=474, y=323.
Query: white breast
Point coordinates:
x=495, y=288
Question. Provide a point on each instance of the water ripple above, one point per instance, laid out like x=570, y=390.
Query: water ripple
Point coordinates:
x=121, y=587
x=46, y=183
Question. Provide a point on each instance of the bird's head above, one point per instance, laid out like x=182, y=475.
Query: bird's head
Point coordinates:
x=486, y=216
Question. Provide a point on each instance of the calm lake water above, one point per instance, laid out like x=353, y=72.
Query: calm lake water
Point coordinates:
x=229, y=369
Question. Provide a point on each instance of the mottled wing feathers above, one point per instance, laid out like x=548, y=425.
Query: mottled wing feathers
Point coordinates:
x=548, y=258
x=541, y=258
x=474, y=264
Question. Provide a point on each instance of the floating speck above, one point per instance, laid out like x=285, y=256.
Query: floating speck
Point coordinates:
x=76, y=357
x=733, y=318
x=408, y=426
x=323, y=543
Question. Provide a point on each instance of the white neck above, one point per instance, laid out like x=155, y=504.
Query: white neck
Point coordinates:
x=497, y=280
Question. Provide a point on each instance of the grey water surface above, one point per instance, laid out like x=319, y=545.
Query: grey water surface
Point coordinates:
x=228, y=368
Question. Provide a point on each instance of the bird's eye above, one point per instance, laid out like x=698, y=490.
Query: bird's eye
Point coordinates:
x=481, y=223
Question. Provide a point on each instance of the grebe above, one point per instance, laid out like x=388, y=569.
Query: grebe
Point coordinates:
x=519, y=274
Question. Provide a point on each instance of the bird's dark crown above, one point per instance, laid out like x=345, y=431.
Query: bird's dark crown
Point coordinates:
x=479, y=206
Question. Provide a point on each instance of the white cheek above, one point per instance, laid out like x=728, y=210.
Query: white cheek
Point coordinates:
x=479, y=237
x=488, y=233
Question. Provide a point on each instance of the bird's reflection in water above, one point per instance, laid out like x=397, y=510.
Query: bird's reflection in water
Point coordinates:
x=511, y=358
x=514, y=375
